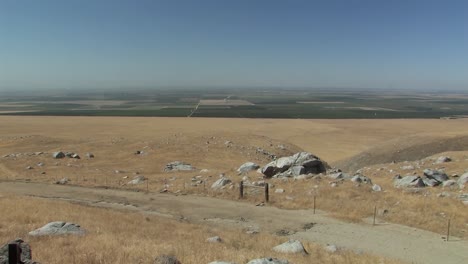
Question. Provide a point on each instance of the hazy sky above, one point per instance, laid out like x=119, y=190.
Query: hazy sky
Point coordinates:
x=329, y=43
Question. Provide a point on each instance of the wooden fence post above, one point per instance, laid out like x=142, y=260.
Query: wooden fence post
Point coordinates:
x=241, y=190
x=14, y=253
x=267, y=195
x=375, y=213
x=448, y=230
x=314, y=203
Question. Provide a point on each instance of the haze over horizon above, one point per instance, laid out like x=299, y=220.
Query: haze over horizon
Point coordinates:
x=364, y=44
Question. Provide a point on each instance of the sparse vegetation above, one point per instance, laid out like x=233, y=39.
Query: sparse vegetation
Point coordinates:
x=143, y=146
x=124, y=237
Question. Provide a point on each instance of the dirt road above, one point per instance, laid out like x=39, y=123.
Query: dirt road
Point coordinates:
x=394, y=241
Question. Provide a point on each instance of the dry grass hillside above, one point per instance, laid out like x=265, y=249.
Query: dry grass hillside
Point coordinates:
x=122, y=237
x=221, y=145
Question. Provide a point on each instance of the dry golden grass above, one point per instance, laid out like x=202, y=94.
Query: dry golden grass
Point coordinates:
x=201, y=142
x=123, y=237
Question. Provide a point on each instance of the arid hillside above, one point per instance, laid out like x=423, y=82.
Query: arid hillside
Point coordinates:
x=113, y=151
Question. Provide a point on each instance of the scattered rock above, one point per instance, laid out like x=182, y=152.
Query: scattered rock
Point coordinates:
x=282, y=167
x=166, y=259
x=62, y=181
x=409, y=181
x=361, y=179
x=248, y=166
x=291, y=246
x=443, y=159
x=407, y=167
x=137, y=180
x=463, y=180
x=449, y=183
x=178, y=166
x=58, y=228
x=89, y=155
x=382, y=212
x=40, y=164
x=75, y=156
x=285, y=232
x=331, y=248
x=338, y=175
x=29, y=168
x=222, y=262
x=279, y=191
x=308, y=226
x=444, y=194
x=436, y=175
x=215, y=239
x=376, y=188
x=58, y=155
x=268, y=261
x=220, y=183
x=25, y=252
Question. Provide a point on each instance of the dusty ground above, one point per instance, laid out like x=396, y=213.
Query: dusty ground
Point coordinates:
x=221, y=145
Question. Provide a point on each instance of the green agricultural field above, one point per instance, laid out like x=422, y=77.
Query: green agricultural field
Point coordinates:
x=243, y=103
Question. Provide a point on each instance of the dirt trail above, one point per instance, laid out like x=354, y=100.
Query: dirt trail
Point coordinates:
x=394, y=241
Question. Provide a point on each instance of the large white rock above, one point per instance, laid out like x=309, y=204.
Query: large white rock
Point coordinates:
x=299, y=163
x=291, y=246
x=58, y=228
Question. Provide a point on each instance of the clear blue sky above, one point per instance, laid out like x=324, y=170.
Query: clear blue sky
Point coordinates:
x=330, y=43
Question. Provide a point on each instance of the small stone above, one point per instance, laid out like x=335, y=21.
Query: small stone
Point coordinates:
x=376, y=188
x=331, y=248
x=58, y=155
x=166, y=259
x=279, y=191
x=268, y=261
x=62, y=181
x=215, y=239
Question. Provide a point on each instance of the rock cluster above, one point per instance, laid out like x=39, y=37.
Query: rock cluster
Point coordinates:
x=431, y=178
x=61, y=155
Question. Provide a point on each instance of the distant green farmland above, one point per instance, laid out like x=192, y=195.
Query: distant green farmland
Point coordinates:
x=239, y=103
